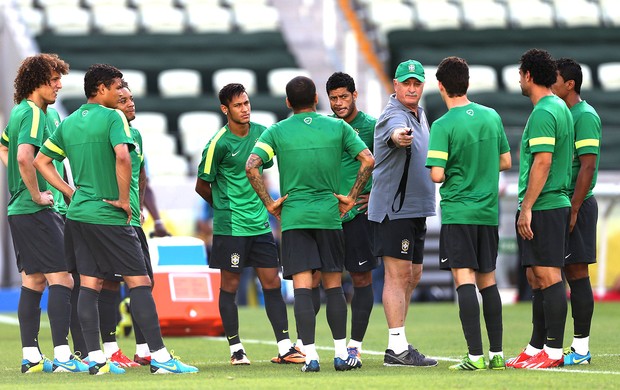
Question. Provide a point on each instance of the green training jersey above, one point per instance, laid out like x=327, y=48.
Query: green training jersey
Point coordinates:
x=237, y=209
x=137, y=162
x=548, y=129
x=87, y=138
x=588, y=133
x=309, y=147
x=364, y=126
x=27, y=125
x=467, y=142
x=53, y=121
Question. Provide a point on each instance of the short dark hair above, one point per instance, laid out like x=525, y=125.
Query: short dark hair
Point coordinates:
x=229, y=91
x=98, y=74
x=570, y=69
x=541, y=66
x=300, y=92
x=36, y=71
x=340, y=80
x=453, y=72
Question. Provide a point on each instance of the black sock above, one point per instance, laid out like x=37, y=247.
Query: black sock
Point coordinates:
x=361, y=307
x=555, y=307
x=107, y=314
x=316, y=299
x=582, y=304
x=538, y=320
x=304, y=315
x=79, y=345
x=230, y=316
x=59, y=313
x=276, y=312
x=145, y=314
x=88, y=312
x=29, y=315
x=336, y=312
x=469, y=312
x=492, y=311
x=136, y=330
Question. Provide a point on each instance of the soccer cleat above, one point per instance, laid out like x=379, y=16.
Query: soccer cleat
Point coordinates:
x=517, y=360
x=74, y=364
x=540, y=360
x=172, y=366
x=346, y=365
x=572, y=358
x=469, y=365
x=239, y=358
x=313, y=366
x=121, y=360
x=292, y=356
x=497, y=363
x=409, y=358
x=355, y=352
x=107, y=367
x=43, y=365
x=143, y=361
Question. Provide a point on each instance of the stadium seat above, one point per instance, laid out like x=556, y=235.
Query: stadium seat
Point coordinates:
x=67, y=20
x=387, y=16
x=430, y=81
x=167, y=165
x=253, y=18
x=437, y=15
x=34, y=19
x=209, y=3
x=110, y=19
x=158, y=146
x=279, y=77
x=196, y=128
x=576, y=13
x=136, y=80
x=179, y=82
x=586, y=83
x=480, y=14
x=482, y=78
x=57, y=3
x=265, y=118
x=162, y=19
x=105, y=3
x=208, y=18
x=610, y=10
x=530, y=13
x=510, y=78
x=150, y=123
x=609, y=76
x=247, y=77
x=73, y=85
x=151, y=3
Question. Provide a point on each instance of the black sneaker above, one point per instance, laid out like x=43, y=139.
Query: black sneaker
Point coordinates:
x=409, y=358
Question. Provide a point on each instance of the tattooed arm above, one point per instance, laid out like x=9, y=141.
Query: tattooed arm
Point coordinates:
x=346, y=203
x=256, y=180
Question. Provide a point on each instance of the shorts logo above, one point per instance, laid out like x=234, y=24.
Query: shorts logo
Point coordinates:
x=404, y=246
x=234, y=260
x=307, y=120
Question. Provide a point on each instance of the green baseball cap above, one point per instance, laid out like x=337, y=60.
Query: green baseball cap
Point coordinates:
x=408, y=69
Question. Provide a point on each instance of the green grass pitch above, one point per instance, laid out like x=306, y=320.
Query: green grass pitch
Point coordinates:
x=433, y=328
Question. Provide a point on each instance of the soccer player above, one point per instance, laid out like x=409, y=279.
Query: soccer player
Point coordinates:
x=359, y=260
x=402, y=196
x=309, y=147
x=34, y=219
x=97, y=141
x=241, y=233
x=468, y=148
x=542, y=221
x=584, y=208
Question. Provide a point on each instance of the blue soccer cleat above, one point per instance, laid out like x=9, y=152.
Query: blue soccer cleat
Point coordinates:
x=172, y=366
x=43, y=365
x=104, y=368
x=313, y=366
x=572, y=358
x=72, y=365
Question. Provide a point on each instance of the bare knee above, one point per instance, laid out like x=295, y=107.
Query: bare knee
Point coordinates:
x=35, y=282
x=269, y=278
x=576, y=271
x=61, y=278
x=361, y=279
x=229, y=281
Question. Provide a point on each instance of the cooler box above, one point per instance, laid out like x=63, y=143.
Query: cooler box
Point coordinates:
x=186, y=291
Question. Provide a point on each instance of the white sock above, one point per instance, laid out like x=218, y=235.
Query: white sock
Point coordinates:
x=235, y=347
x=311, y=353
x=300, y=345
x=62, y=353
x=143, y=350
x=110, y=348
x=355, y=344
x=96, y=356
x=340, y=349
x=161, y=355
x=581, y=345
x=493, y=354
x=474, y=358
x=531, y=351
x=32, y=354
x=397, y=340
x=284, y=346
x=554, y=353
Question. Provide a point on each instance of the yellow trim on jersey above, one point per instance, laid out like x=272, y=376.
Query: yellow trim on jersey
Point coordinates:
x=125, y=123
x=587, y=142
x=51, y=146
x=36, y=117
x=542, y=141
x=5, y=136
x=268, y=149
x=437, y=154
x=211, y=151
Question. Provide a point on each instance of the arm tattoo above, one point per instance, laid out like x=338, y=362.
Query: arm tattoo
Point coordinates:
x=362, y=177
x=251, y=169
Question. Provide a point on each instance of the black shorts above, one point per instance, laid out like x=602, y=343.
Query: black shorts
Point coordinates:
x=550, y=243
x=582, y=240
x=38, y=242
x=68, y=247
x=312, y=249
x=233, y=253
x=105, y=250
x=401, y=238
x=468, y=246
x=358, y=255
